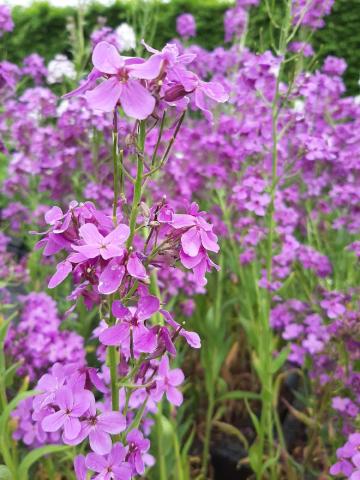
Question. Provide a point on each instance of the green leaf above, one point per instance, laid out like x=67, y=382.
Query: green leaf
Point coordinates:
x=255, y=457
x=4, y=327
x=5, y=473
x=10, y=407
x=270, y=461
x=238, y=395
x=253, y=417
x=279, y=361
x=36, y=455
x=10, y=372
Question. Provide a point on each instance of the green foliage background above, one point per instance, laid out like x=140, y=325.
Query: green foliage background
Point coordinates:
x=42, y=28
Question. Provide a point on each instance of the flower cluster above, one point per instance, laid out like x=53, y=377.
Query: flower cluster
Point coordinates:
x=37, y=341
x=6, y=22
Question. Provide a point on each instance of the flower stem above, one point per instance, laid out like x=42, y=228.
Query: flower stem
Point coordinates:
x=138, y=183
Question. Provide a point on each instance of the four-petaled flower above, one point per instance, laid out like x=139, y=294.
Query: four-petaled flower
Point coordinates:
x=96, y=245
x=71, y=407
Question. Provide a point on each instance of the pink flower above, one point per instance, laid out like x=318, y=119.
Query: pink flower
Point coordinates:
x=111, y=467
x=98, y=428
x=137, y=454
x=199, y=232
x=97, y=245
x=72, y=405
x=132, y=325
x=122, y=84
x=166, y=382
x=80, y=468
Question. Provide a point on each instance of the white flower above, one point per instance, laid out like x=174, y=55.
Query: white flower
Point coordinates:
x=299, y=106
x=59, y=68
x=126, y=37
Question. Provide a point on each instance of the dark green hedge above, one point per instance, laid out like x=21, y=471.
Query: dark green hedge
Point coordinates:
x=41, y=28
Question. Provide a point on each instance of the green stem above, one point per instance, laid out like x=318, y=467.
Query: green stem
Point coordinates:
x=161, y=454
x=138, y=184
x=266, y=340
x=208, y=424
x=116, y=168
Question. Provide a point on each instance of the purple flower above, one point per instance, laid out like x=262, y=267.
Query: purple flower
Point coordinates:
x=166, y=382
x=97, y=245
x=98, y=428
x=137, y=454
x=110, y=467
x=6, y=22
x=80, y=467
x=72, y=405
x=198, y=232
x=122, y=82
x=185, y=25
x=131, y=327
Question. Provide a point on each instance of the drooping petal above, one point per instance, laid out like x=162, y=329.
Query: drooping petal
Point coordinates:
x=199, y=272
x=191, y=262
x=100, y=441
x=105, y=96
x=62, y=271
x=209, y=241
x=135, y=268
x=136, y=101
x=139, y=463
x=79, y=467
x=111, y=277
x=106, y=58
x=148, y=70
x=191, y=242
x=88, y=84
x=201, y=104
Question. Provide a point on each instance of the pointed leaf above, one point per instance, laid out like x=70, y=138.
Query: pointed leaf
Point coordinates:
x=36, y=455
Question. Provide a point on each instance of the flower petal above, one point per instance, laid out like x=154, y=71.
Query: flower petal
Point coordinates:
x=136, y=101
x=90, y=234
x=112, y=422
x=100, y=441
x=191, y=242
x=114, y=335
x=106, y=58
x=105, y=96
x=147, y=306
x=111, y=277
x=62, y=271
x=148, y=70
x=53, y=422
